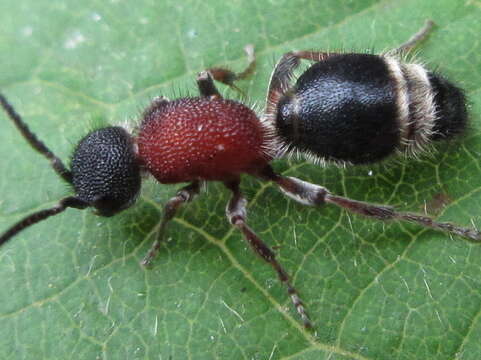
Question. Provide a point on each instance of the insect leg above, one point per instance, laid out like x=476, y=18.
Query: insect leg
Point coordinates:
x=184, y=195
x=229, y=77
x=206, y=85
x=237, y=214
x=315, y=195
x=414, y=40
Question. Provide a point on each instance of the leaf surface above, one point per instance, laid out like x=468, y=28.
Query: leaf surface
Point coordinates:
x=72, y=286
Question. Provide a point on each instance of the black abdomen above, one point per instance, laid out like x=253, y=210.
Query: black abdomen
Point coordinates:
x=344, y=109
x=361, y=108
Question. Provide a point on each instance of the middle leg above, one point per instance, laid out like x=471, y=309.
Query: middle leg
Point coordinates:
x=237, y=214
x=229, y=77
x=206, y=85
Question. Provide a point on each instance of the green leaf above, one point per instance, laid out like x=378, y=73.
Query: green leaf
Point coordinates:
x=72, y=287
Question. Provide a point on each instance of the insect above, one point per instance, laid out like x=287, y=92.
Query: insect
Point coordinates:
x=346, y=107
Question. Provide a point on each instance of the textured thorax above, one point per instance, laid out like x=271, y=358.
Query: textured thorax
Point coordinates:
x=201, y=138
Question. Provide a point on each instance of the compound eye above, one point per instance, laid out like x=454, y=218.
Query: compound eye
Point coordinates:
x=105, y=170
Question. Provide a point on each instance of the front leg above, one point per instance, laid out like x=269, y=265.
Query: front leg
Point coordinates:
x=184, y=195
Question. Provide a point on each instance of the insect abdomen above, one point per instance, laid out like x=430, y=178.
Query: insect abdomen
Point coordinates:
x=450, y=102
x=361, y=108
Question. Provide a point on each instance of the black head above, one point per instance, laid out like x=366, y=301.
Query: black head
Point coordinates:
x=105, y=170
